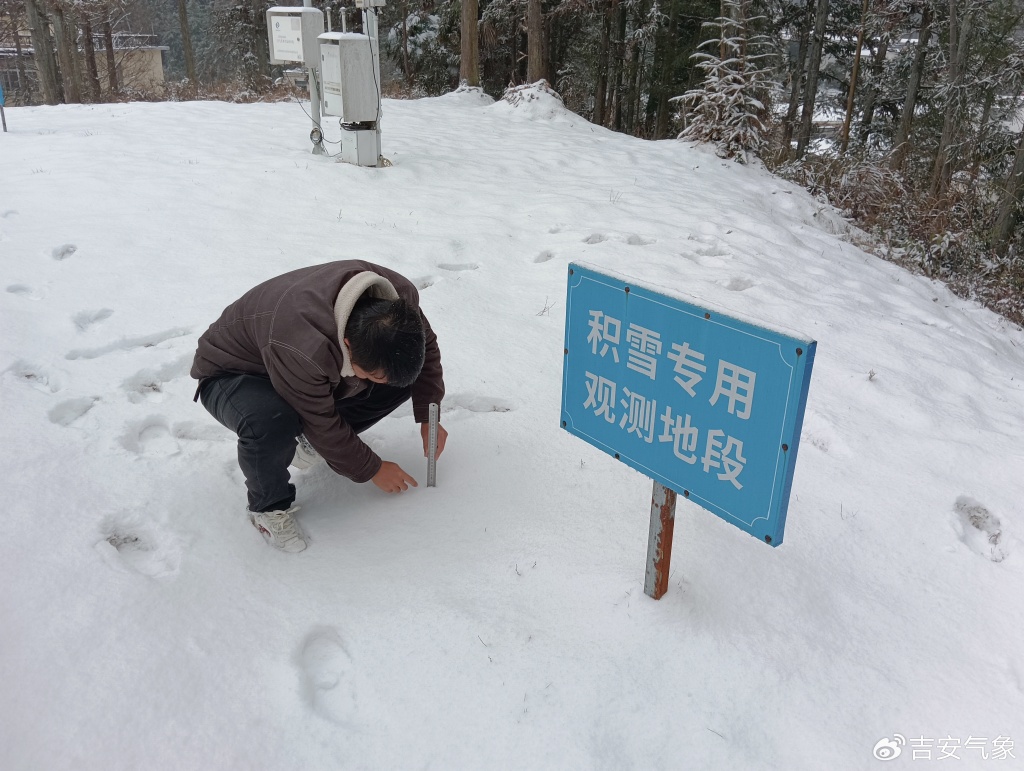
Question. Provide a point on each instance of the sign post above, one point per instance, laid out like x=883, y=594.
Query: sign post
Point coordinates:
x=3, y=118
x=707, y=405
x=659, y=542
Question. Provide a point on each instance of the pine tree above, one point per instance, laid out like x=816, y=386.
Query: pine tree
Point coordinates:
x=730, y=109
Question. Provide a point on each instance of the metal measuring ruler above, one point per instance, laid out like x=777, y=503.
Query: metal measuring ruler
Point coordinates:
x=432, y=447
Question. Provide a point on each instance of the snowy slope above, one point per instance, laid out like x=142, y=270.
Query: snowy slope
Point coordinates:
x=498, y=620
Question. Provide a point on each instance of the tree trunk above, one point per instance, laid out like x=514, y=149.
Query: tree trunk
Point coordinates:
x=19, y=63
x=982, y=135
x=818, y=42
x=633, y=88
x=794, y=91
x=670, y=40
x=620, y=67
x=108, y=43
x=535, y=69
x=1009, y=205
x=910, y=102
x=601, y=88
x=186, y=43
x=42, y=46
x=871, y=95
x=90, y=59
x=63, y=35
x=637, y=98
x=852, y=94
x=262, y=45
x=469, y=65
x=942, y=171
x=554, y=49
x=406, y=68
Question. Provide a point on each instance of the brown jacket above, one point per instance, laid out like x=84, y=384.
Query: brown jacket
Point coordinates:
x=286, y=329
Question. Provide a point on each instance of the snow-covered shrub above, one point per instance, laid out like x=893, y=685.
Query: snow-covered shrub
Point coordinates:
x=421, y=48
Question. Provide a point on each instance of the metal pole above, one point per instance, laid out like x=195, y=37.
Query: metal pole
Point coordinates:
x=432, y=447
x=3, y=119
x=659, y=543
x=370, y=28
x=313, y=76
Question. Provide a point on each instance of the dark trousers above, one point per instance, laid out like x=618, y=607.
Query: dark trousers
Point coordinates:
x=267, y=428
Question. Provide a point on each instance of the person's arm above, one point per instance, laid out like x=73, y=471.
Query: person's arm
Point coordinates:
x=305, y=386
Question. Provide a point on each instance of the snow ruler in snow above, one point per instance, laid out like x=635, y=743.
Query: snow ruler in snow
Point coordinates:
x=432, y=448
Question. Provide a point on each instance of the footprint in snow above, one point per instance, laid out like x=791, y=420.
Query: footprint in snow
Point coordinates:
x=820, y=432
x=713, y=250
x=24, y=290
x=86, y=319
x=148, y=384
x=738, y=284
x=63, y=251
x=424, y=282
x=325, y=669
x=35, y=375
x=67, y=412
x=150, y=438
x=635, y=240
x=980, y=529
x=713, y=247
x=595, y=238
x=129, y=344
x=476, y=403
x=190, y=431
x=130, y=545
x=544, y=256
x=458, y=266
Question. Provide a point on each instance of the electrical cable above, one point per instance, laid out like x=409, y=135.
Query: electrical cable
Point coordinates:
x=380, y=100
x=323, y=139
x=319, y=90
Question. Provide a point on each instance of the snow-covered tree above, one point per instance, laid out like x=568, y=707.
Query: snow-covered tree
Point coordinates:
x=730, y=109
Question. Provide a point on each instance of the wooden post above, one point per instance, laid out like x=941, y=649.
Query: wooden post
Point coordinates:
x=659, y=543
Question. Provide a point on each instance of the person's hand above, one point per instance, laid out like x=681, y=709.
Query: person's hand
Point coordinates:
x=442, y=435
x=392, y=479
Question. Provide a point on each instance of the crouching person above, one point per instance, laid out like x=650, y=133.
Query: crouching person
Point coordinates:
x=302, y=364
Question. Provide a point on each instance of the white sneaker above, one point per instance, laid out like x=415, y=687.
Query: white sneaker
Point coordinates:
x=279, y=529
x=305, y=455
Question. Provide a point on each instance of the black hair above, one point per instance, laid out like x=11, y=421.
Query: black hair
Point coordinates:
x=386, y=337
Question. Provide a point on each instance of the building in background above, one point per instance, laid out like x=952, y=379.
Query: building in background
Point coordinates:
x=137, y=60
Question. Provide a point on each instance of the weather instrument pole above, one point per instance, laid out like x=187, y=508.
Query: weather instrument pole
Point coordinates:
x=432, y=447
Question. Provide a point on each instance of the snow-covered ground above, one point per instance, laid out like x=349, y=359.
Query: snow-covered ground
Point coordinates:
x=498, y=620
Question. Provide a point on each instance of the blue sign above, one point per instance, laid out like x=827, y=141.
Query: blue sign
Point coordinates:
x=707, y=405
